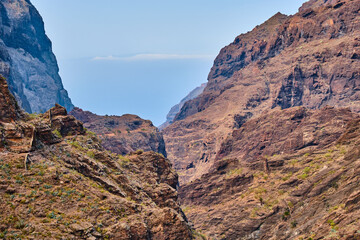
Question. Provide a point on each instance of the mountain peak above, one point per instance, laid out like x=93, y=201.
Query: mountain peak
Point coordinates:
x=318, y=3
x=25, y=47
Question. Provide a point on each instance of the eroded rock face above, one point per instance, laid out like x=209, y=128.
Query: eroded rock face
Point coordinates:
x=283, y=132
x=27, y=60
x=9, y=109
x=287, y=174
x=57, y=181
x=176, y=109
x=123, y=134
x=309, y=59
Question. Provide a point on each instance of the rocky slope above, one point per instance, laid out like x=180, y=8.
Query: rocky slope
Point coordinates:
x=123, y=134
x=287, y=174
x=57, y=182
x=176, y=109
x=27, y=60
x=309, y=59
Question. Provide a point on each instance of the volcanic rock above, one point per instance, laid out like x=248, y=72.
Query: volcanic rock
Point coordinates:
x=287, y=174
x=27, y=60
x=123, y=134
x=9, y=109
x=57, y=181
x=176, y=109
x=308, y=59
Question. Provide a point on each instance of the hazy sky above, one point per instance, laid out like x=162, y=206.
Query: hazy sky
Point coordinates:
x=142, y=56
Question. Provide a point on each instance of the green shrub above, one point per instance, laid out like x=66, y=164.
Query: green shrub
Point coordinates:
x=307, y=170
x=234, y=172
x=47, y=186
x=303, y=176
x=331, y=223
x=139, y=151
x=90, y=154
x=51, y=215
x=20, y=224
x=76, y=145
x=90, y=133
x=57, y=133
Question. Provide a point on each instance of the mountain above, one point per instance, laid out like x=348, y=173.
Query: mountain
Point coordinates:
x=123, y=134
x=269, y=150
x=27, y=60
x=57, y=182
x=176, y=109
x=287, y=174
x=310, y=59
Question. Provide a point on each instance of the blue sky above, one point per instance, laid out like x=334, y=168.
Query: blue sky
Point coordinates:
x=142, y=57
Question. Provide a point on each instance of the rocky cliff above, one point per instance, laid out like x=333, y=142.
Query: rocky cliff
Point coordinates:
x=310, y=59
x=27, y=60
x=57, y=182
x=287, y=174
x=176, y=109
x=123, y=134
x=9, y=109
x=269, y=150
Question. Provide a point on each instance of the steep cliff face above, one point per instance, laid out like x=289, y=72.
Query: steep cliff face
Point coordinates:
x=123, y=134
x=287, y=174
x=310, y=59
x=176, y=109
x=57, y=182
x=26, y=58
x=9, y=109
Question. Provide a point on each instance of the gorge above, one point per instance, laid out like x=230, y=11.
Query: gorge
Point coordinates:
x=268, y=148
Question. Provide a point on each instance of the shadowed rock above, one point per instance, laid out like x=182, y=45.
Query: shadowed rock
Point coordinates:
x=27, y=60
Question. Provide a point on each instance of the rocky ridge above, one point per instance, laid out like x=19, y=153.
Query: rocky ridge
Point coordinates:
x=176, y=109
x=310, y=59
x=287, y=174
x=27, y=60
x=57, y=181
x=123, y=134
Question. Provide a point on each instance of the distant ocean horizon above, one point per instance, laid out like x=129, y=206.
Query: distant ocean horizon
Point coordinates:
x=145, y=88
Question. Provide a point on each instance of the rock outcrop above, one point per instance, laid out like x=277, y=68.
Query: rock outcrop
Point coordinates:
x=57, y=181
x=9, y=109
x=27, y=60
x=176, y=109
x=123, y=134
x=287, y=174
x=310, y=59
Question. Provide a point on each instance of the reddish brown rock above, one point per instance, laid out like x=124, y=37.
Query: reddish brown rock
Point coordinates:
x=64, y=123
x=9, y=109
x=284, y=132
x=287, y=174
x=308, y=59
x=58, y=182
x=123, y=134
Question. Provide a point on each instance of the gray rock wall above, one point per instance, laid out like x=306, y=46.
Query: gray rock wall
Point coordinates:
x=27, y=60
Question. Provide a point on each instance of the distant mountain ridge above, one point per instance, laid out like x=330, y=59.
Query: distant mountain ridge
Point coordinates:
x=176, y=109
x=27, y=60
